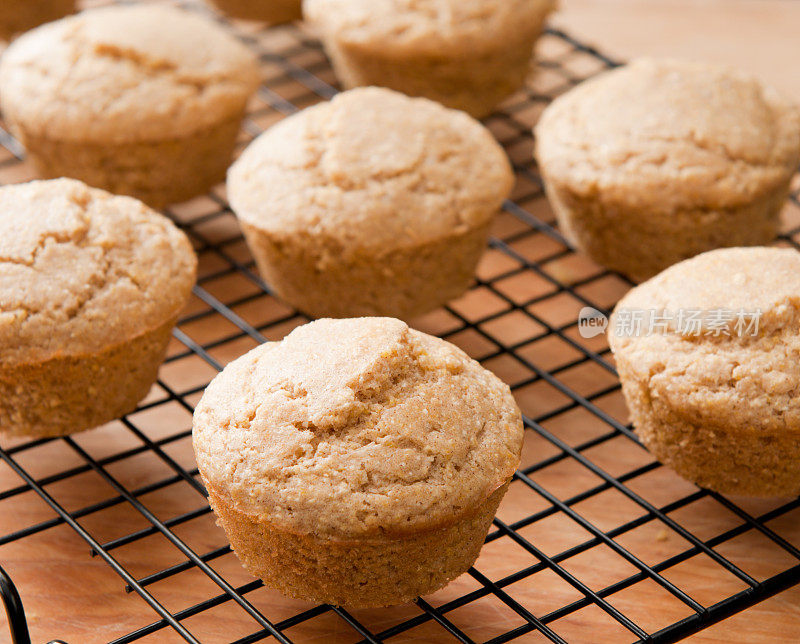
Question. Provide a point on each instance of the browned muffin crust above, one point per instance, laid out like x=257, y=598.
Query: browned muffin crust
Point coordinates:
x=348, y=216
x=660, y=160
x=720, y=405
x=90, y=287
x=357, y=462
x=144, y=100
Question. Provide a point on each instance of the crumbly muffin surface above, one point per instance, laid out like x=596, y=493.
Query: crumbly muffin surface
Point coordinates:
x=371, y=169
x=121, y=74
x=82, y=270
x=743, y=379
x=427, y=26
x=356, y=427
x=668, y=135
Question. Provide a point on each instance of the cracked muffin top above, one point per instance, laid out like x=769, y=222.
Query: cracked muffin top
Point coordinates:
x=670, y=135
x=736, y=369
x=122, y=74
x=372, y=168
x=433, y=27
x=356, y=427
x=82, y=270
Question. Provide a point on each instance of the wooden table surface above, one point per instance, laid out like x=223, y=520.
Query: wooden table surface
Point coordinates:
x=73, y=596
x=759, y=36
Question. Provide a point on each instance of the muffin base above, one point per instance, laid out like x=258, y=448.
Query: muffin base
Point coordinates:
x=272, y=11
x=158, y=173
x=66, y=395
x=359, y=574
x=730, y=459
x=317, y=277
x=640, y=244
x=475, y=82
x=17, y=16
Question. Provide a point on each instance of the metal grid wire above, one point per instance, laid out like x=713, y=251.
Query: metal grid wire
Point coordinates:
x=620, y=545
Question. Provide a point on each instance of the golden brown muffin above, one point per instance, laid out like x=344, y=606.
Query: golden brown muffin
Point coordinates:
x=90, y=287
x=465, y=54
x=371, y=204
x=271, y=11
x=17, y=16
x=718, y=401
x=357, y=462
x=140, y=100
x=661, y=160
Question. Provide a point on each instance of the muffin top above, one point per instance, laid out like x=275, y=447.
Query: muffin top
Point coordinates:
x=742, y=364
x=356, y=428
x=432, y=27
x=670, y=135
x=371, y=169
x=128, y=73
x=82, y=270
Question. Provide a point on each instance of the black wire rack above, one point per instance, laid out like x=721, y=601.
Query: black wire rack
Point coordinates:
x=595, y=541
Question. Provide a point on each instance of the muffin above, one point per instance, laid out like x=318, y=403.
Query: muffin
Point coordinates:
x=655, y=162
x=465, y=54
x=17, y=16
x=371, y=204
x=139, y=100
x=357, y=462
x=271, y=11
x=716, y=398
x=90, y=287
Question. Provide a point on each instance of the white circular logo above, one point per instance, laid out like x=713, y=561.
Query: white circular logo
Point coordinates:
x=591, y=322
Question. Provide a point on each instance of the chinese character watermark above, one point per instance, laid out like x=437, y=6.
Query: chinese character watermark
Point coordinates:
x=630, y=323
x=689, y=322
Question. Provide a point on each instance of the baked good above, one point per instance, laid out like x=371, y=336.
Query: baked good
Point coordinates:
x=717, y=400
x=357, y=462
x=465, y=54
x=90, y=287
x=660, y=160
x=17, y=16
x=271, y=11
x=371, y=204
x=143, y=100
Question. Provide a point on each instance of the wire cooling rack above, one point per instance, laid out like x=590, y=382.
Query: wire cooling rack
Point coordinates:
x=595, y=541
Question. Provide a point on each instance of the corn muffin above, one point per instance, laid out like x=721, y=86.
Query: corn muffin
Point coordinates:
x=716, y=399
x=271, y=11
x=139, y=100
x=371, y=204
x=465, y=54
x=660, y=160
x=90, y=287
x=17, y=16
x=357, y=462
